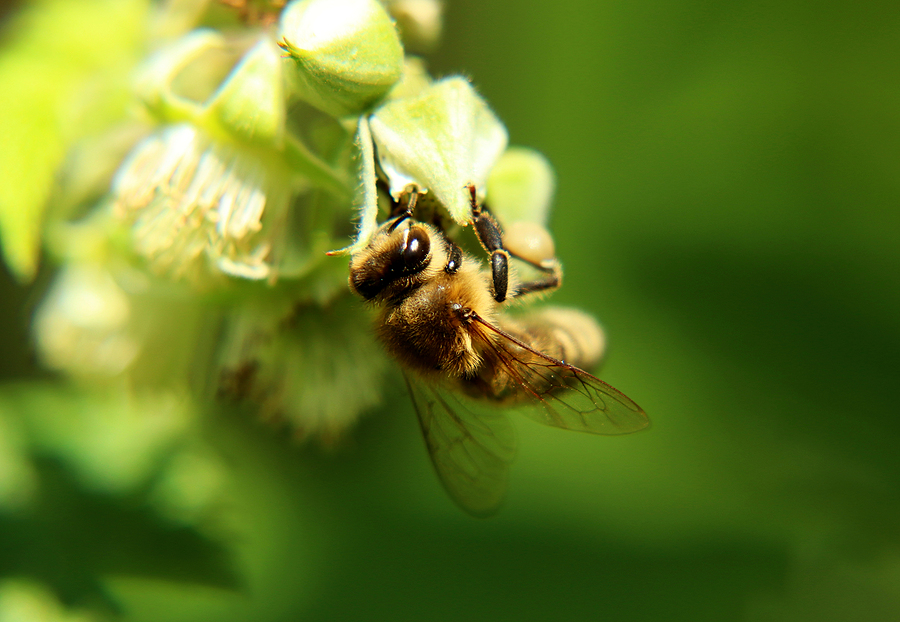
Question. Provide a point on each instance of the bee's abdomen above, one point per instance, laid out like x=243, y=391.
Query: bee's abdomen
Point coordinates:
x=565, y=334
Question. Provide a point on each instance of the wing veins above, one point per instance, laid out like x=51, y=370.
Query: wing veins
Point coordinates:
x=560, y=376
x=467, y=449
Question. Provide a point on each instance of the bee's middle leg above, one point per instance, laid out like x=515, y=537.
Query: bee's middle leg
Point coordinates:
x=547, y=283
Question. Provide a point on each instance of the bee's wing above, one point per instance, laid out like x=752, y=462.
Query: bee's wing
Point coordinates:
x=562, y=395
x=471, y=445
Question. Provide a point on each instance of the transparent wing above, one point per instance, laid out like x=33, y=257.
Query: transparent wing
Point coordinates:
x=471, y=445
x=561, y=395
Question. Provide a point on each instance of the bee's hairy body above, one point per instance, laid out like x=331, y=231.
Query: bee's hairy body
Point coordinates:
x=443, y=316
x=427, y=317
x=429, y=329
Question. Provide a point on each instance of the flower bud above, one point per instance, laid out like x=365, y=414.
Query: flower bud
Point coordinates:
x=442, y=140
x=420, y=22
x=414, y=80
x=250, y=103
x=347, y=53
x=521, y=186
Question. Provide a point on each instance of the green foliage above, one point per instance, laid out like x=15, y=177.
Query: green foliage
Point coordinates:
x=727, y=206
x=442, y=139
x=63, y=74
x=83, y=520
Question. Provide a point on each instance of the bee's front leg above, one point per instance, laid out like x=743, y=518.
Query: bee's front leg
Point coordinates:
x=491, y=239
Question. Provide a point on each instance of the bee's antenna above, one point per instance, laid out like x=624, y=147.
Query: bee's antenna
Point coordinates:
x=412, y=192
x=400, y=219
x=413, y=199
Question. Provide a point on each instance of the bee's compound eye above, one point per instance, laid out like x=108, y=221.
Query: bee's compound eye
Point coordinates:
x=415, y=248
x=530, y=241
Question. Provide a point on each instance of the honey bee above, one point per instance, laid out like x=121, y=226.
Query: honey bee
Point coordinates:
x=467, y=361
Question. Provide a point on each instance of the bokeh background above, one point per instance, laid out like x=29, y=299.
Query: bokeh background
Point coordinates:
x=727, y=205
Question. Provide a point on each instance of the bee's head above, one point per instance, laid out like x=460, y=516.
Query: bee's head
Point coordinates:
x=395, y=261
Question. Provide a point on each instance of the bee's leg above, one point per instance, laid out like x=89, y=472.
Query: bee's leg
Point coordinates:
x=397, y=209
x=491, y=239
x=550, y=281
x=532, y=244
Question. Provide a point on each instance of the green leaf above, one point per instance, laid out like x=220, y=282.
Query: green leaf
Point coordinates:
x=123, y=485
x=18, y=481
x=111, y=440
x=74, y=539
x=29, y=601
x=441, y=140
x=366, y=199
x=62, y=76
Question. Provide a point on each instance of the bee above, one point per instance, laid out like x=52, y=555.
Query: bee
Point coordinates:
x=467, y=361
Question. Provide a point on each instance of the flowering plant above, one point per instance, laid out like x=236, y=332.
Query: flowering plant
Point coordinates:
x=186, y=176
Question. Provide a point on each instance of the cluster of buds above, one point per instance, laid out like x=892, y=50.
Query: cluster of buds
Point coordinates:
x=261, y=143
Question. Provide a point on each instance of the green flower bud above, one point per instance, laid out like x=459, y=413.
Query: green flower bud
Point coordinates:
x=420, y=22
x=441, y=140
x=195, y=79
x=521, y=186
x=250, y=103
x=347, y=53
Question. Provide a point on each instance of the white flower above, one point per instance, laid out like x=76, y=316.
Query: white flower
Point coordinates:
x=197, y=204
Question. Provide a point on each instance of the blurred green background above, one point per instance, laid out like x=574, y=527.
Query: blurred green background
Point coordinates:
x=727, y=205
